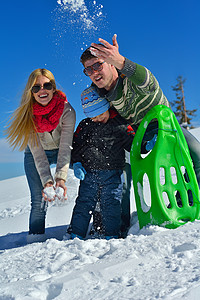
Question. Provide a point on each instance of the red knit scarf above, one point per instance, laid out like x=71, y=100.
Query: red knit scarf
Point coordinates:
x=46, y=118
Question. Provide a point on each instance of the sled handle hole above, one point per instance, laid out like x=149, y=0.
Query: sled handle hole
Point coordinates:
x=166, y=199
x=185, y=174
x=162, y=176
x=190, y=198
x=173, y=175
x=178, y=199
x=144, y=192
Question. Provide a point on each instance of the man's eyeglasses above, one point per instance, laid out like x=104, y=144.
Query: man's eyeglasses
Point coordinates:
x=46, y=86
x=95, y=67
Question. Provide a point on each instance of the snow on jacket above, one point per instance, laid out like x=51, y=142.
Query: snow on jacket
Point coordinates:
x=101, y=146
x=60, y=138
x=135, y=92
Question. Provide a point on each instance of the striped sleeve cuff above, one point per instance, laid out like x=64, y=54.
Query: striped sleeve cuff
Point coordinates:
x=129, y=68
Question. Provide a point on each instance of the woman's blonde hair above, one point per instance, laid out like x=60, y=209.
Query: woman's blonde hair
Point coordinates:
x=21, y=128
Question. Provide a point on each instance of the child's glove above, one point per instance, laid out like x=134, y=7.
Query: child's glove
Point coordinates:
x=150, y=144
x=79, y=171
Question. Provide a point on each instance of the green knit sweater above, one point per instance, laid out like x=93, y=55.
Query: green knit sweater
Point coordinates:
x=136, y=92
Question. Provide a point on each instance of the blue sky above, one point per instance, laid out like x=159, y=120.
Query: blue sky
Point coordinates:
x=161, y=35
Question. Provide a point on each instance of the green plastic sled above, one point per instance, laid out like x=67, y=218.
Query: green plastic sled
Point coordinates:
x=165, y=184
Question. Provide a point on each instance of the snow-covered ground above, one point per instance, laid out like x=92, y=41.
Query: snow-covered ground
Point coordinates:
x=152, y=263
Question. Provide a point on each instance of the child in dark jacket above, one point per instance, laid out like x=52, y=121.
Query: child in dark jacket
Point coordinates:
x=98, y=158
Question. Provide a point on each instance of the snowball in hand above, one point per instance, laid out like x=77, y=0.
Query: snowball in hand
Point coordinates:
x=50, y=193
x=60, y=193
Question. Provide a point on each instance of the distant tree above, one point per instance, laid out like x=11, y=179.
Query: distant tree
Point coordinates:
x=184, y=115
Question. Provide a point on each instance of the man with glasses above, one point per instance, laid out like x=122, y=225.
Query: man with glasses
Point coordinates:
x=131, y=88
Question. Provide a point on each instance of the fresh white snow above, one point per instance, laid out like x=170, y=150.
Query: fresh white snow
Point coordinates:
x=151, y=263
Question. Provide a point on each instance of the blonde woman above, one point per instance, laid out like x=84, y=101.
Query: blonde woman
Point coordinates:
x=43, y=126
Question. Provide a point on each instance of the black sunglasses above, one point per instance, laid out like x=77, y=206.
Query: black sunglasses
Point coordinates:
x=95, y=67
x=46, y=86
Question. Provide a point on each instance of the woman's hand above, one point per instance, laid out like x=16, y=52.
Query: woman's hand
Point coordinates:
x=48, y=184
x=61, y=183
x=109, y=53
x=48, y=192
